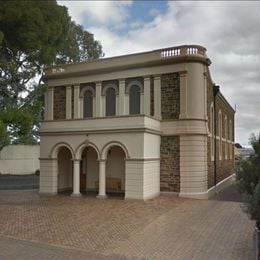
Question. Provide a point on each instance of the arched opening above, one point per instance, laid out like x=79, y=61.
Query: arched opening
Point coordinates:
x=88, y=104
x=65, y=169
x=134, y=100
x=110, y=102
x=89, y=170
x=115, y=170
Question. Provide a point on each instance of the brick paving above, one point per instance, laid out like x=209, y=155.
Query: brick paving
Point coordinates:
x=87, y=228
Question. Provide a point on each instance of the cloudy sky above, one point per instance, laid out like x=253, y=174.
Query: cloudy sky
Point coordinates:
x=229, y=30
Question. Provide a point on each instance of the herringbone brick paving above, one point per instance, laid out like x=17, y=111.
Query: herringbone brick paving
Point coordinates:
x=87, y=228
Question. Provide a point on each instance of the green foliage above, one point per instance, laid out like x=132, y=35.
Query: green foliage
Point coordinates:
x=248, y=181
x=33, y=35
x=78, y=46
x=14, y=123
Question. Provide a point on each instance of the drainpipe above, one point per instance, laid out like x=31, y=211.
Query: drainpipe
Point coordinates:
x=215, y=92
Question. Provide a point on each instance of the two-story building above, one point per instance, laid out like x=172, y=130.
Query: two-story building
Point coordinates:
x=140, y=124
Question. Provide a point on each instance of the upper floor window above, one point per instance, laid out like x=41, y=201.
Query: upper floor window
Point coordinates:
x=88, y=104
x=220, y=133
x=226, y=136
x=110, y=102
x=211, y=126
x=134, y=100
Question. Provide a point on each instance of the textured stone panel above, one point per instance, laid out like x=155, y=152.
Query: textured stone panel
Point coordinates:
x=170, y=95
x=59, y=106
x=170, y=163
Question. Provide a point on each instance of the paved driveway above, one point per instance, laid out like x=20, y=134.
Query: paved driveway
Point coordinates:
x=62, y=227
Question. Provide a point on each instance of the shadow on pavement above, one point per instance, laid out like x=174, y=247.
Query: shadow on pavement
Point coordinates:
x=230, y=193
x=21, y=182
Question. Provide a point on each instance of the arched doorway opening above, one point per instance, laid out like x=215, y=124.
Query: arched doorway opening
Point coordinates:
x=65, y=170
x=115, y=170
x=89, y=170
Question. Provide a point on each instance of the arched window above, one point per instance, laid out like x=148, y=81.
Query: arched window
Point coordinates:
x=110, y=102
x=211, y=120
x=220, y=133
x=88, y=103
x=134, y=100
x=231, y=139
x=226, y=137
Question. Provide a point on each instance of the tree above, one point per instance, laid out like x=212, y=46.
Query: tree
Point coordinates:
x=248, y=181
x=78, y=46
x=238, y=145
x=33, y=35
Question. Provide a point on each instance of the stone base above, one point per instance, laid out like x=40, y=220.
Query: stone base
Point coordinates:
x=76, y=195
x=102, y=197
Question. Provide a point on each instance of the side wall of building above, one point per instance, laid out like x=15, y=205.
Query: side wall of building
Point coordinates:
x=224, y=150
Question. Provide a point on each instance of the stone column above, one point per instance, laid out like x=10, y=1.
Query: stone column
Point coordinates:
x=98, y=99
x=147, y=95
x=183, y=95
x=121, y=110
x=68, y=102
x=76, y=102
x=102, y=180
x=157, y=97
x=76, y=179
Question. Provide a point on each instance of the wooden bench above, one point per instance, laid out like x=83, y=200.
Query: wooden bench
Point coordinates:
x=112, y=184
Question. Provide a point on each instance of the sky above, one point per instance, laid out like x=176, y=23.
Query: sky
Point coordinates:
x=228, y=29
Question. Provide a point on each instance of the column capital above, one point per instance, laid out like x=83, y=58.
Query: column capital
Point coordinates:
x=183, y=73
x=121, y=79
x=98, y=82
x=157, y=76
x=147, y=78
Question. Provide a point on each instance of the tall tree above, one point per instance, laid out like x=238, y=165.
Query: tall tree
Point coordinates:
x=33, y=35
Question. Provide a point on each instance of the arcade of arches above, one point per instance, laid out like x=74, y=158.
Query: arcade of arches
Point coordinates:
x=91, y=173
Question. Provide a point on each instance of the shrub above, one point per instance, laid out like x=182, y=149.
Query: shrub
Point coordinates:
x=248, y=181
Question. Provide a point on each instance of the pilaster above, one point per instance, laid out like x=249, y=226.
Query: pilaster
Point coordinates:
x=157, y=97
x=121, y=110
x=76, y=102
x=68, y=102
x=98, y=99
x=147, y=95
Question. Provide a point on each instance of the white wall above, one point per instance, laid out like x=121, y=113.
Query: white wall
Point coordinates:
x=19, y=159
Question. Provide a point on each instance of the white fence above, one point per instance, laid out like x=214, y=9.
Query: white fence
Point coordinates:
x=19, y=159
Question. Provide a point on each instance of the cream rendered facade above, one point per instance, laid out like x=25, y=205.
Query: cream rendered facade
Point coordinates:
x=126, y=146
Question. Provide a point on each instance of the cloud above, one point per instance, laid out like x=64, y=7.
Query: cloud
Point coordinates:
x=100, y=13
x=229, y=31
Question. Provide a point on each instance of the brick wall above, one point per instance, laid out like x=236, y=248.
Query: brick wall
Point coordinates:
x=225, y=166
x=59, y=106
x=170, y=163
x=170, y=96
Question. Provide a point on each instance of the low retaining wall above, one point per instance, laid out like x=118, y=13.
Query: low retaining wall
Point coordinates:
x=19, y=159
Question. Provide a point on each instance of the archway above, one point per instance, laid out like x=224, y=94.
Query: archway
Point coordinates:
x=89, y=170
x=65, y=169
x=115, y=170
